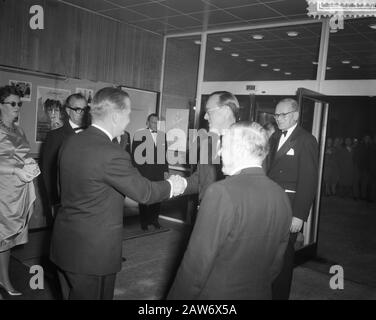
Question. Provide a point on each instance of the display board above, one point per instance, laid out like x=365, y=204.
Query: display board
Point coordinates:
x=41, y=87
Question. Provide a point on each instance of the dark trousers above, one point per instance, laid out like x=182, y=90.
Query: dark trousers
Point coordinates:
x=282, y=284
x=149, y=214
x=86, y=287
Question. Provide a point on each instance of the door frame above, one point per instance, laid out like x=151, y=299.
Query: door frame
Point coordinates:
x=309, y=251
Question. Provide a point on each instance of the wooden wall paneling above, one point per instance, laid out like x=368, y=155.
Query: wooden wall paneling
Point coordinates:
x=79, y=44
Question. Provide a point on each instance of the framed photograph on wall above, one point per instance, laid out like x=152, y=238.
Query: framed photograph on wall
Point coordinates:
x=49, y=104
x=87, y=93
x=25, y=88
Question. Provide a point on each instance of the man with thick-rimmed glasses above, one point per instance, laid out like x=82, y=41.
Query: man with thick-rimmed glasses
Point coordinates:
x=293, y=164
x=76, y=111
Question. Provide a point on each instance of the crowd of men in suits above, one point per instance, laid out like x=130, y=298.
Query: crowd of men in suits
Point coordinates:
x=350, y=168
x=242, y=244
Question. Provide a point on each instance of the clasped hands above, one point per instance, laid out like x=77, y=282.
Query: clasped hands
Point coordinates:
x=28, y=172
x=178, y=185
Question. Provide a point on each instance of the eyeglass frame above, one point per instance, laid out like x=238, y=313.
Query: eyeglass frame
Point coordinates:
x=81, y=109
x=283, y=115
x=14, y=104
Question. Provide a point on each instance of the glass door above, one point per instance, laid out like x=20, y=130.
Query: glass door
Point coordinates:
x=313, y=117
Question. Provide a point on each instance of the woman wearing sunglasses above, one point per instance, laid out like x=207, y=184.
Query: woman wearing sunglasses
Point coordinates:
x=17, y=195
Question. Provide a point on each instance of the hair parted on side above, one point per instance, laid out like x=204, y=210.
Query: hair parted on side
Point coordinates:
x=74, y=96
x=292, y=102
x=107, y=100
x=228, y=99
x=151, y=116
x=251, y=137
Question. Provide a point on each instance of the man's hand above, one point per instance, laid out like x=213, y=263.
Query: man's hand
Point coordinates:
x=178, y=185
x=296, y=225
x=23, y=175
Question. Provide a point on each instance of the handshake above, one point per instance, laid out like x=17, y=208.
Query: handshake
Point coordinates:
x=178, y=185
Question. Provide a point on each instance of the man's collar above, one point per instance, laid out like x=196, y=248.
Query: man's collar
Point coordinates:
x=73, y=125
x=103, y=130
x=290, y=130
x=237, y=170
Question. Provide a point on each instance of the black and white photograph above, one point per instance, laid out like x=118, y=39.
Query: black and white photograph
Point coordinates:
x=49, y=115
x=24, y=87
x=186, y=156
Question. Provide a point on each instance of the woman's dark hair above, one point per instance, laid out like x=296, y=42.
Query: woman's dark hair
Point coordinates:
x=7, y=91
x=49, y=104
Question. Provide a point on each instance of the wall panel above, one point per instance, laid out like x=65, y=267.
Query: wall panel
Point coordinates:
x=79, y=44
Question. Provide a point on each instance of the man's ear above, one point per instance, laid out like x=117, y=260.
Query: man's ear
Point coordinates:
x=114, y=117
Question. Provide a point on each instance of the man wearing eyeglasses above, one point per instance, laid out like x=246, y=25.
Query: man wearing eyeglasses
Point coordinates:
x=293, y=164
x=222, y=109
x=76, y=110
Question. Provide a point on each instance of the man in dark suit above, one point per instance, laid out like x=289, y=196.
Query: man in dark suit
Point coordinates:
x=237, y=245
x=152, y=140
x=293, y=164
x=95, y=175
x=75, y=108
x=222, y=109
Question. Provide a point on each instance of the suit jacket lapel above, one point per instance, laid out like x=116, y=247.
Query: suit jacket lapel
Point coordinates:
x=289, y=143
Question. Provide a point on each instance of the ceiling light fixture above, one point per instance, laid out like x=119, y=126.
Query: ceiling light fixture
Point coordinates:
x=346, y=61
x=197, y=42
x=226, y=39
x=276, y=69
x=372, y=26
x=315, y=62
x=235, y=54
x=333, y=30
x=355, y=67
x=264, y=65
x=328, y=68
x=292, y=33
x=218, y=48
x=250, y=60
x=258, y=36
x=288, y=73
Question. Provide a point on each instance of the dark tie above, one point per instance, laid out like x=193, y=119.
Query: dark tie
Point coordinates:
x=115, y=140
x=284, y=133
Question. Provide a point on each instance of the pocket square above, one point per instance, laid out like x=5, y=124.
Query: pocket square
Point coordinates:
x=290, y=152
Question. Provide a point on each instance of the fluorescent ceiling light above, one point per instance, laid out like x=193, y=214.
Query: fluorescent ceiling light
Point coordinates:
x=258, y=36
x=263, y=64
x=197, y=42
x=276, y=69
x=287, y=73
x=328, y=68
x=346, y=61
x=315, y=62
x=235, y=54
x=226, y=39
x=250, y=60
x=355, y=67
x=218, y=48
x=292, y=33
